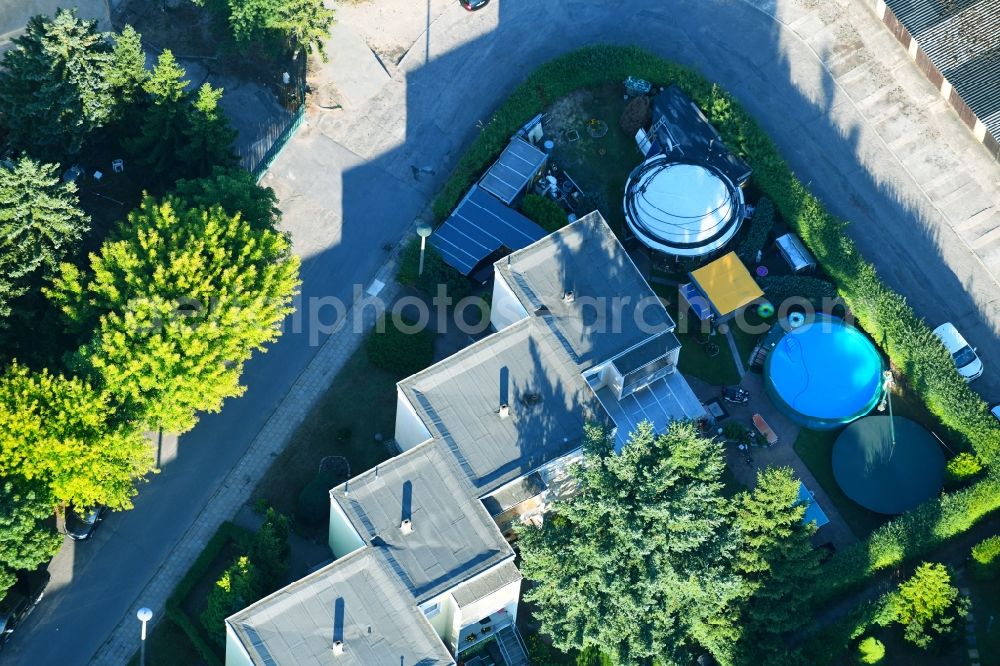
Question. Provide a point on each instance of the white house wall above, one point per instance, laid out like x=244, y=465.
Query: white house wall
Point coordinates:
x=343, y=538
x=410, y=430
x=506, y=597
x=444, y=622
x=236, y=654
x=505, y=309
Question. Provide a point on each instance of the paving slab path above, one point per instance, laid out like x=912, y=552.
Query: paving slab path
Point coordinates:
x=853, y=116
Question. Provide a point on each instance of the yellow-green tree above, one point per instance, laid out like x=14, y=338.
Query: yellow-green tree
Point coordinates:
x=173, y=306
x=62, y=433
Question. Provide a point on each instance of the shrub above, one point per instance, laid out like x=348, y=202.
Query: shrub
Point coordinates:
x=270, y=551
x=238, y=587
x=986, y=557
x=755, y=237
x=436, y=272
x=207, y=650
x=871, y=651
x=928, y=606
x=912, y=535
x=780, y=288
x=399, y=352
x=961, y=468
x=544, y=211
x=313, y=506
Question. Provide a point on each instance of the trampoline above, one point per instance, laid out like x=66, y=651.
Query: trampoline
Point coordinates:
x=823, y=373
x=883, y=479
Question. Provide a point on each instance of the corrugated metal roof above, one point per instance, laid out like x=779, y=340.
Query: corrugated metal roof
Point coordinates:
x=480, y=226
x=962, y=39
x=513, y=170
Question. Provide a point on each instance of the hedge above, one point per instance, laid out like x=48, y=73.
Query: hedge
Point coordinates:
x=911, y=535
x=883, y=313
x=436, y=272
x=545, y=212
x=174, y=610
x=780, y=288
x=399, y=352
x=986, y=557
x=904, y=337
x=759, y=228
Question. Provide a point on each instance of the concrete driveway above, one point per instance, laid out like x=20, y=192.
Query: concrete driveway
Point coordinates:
x=836, y=92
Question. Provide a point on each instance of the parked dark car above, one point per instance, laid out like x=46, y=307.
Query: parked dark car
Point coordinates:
x=473, y=5
x=20, y=600
x=80, y=524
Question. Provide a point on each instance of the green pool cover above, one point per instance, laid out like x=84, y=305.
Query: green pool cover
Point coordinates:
x=883, y=479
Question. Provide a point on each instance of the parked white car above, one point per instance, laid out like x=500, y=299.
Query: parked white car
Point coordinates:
x=964, y=356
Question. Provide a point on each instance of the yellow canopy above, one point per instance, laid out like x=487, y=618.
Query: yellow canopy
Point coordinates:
x=727, y=283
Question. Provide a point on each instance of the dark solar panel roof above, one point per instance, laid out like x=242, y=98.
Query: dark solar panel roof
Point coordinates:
x=687, y=133
x=480, y=226
x=513, y=170
x=962, y=39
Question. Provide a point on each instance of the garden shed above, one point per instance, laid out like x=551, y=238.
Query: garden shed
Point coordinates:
x=479, y=226
x=517, y=168
x=795, y=254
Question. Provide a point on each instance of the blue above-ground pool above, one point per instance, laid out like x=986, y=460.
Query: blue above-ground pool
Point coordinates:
x=824, y=373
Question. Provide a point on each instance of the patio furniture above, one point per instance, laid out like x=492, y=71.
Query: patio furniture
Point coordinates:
x=764, y=429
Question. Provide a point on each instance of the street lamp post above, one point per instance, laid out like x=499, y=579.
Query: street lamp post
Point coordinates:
x=887, y=384
x=423, y=230
x=144, y=615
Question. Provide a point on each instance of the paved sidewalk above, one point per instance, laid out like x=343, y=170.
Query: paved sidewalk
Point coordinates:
x=235, y=491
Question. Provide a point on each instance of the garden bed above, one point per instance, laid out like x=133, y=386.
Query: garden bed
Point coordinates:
x=180, y=634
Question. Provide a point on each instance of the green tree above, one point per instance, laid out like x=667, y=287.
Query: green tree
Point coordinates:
x=177, y=303
x=778, y=565
x=236, y=191
x=208, y=136
x=303, y=25
x=40, y=223
x=638, y=561
x=63, y=433
x=161, y=131
x=27, y=537
x=928, y=606
x=871, y=650
x=270, y=551
x=52, y=86
x=125, y=72
x=238, y=587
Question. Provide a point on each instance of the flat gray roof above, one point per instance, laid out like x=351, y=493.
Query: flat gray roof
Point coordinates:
x=498, y=577
x=355, y=600
x=453, y=536
x=612, y=308
x=663, y=401
x=523, y=366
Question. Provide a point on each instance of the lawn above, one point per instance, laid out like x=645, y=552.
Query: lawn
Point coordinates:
x=360, y=403
x=599, y=166
x=815, y=449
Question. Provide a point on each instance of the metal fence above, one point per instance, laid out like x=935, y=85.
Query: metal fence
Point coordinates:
x=261, y=155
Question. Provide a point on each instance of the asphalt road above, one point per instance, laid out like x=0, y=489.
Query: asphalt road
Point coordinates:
x=348, y=186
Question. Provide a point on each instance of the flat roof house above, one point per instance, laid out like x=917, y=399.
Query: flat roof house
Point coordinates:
x=486, y=437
